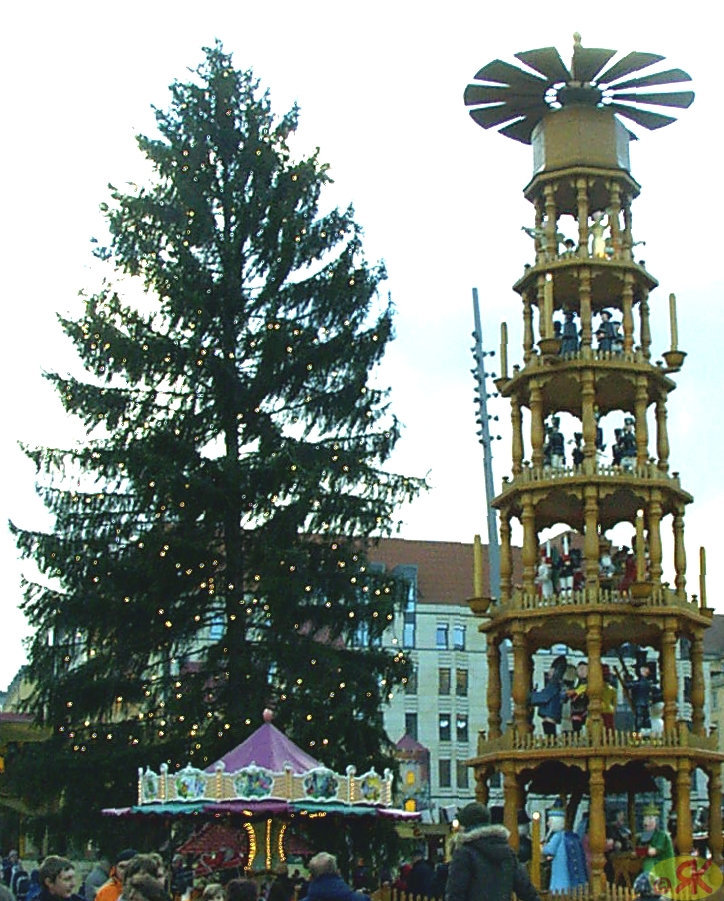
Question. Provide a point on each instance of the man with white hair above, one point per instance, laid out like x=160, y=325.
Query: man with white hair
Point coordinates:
x=327, y=884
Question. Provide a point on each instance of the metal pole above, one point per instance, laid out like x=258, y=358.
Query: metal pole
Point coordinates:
x=484, y=434
x=493, y=546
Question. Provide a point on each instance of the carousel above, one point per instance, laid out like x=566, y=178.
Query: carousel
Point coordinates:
x=255, y=802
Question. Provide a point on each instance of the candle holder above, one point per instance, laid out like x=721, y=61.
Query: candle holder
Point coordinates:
x=479, y=606
x=640, y=592
x=550, y=346
x=674, y=359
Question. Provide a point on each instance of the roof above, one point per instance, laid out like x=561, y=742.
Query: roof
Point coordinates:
x=714, y=637
x=269, y=748
x=444, y=568
x=408, y=743
x=214, y=836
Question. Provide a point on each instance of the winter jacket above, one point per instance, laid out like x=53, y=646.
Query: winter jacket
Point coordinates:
x=97, y=877
x=45, y=895
x=420, y=880
x=282, y=889
x=549, y=700
x=331, y=887
x=483, y=865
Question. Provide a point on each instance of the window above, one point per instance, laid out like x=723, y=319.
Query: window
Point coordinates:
x=441, y=636
x=411, y=683
x=459, y=638
x=461, y=727
x=361, y=637
x=410, y=777
x=462, y=774
x=444, y=727
x=461, y=683
x=411, y=725
x=408, y=634
x=409, y=574
x=216, y=627
x=443, y=680
x=444, y=773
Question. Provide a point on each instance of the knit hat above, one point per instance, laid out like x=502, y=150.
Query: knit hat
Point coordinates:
x=126, y=855
x=473, y=814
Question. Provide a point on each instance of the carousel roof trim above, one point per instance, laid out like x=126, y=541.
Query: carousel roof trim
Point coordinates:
x=265, y=772
x=260, y=809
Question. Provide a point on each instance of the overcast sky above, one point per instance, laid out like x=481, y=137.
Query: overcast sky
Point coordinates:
x=380, y=88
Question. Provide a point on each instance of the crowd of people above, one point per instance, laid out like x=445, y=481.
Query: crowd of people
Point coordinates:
x=135, y=876
x=481, y=864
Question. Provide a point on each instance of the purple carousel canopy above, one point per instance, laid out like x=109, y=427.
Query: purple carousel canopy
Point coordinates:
x=268, y=748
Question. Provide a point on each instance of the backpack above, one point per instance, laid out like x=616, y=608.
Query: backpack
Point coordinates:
x=20, y=884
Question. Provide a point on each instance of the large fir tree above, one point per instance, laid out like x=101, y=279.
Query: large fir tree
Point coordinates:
x=208, y=556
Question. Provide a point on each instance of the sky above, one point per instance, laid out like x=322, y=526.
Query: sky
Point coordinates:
x=380, y=90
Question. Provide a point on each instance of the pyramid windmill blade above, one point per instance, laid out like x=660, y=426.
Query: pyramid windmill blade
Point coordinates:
x=588, y=62
x=632, y=62
x=492, y=115
x=647, y=118
x=483, y=93
x=488, y=116
x=682, y=99
x=547, y=61
x=505, y=73
x=521, y=130
x=670, y=76
x=502, y=112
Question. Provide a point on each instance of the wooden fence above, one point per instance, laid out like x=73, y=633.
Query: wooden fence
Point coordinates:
x=582, y=893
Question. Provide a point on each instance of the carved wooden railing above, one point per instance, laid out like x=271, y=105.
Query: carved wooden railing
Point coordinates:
x=658, y=596
x=512, y=740
x=532, y=474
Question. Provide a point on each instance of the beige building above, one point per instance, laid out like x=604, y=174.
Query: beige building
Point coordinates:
x=442, y=708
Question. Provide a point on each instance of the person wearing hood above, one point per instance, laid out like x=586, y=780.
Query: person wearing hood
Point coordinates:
x=483, y=865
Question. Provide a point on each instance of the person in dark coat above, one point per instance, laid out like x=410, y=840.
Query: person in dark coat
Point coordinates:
x=9, y=863
x=525, y=845
x=282, y=889
x=641, y=690
x=440, y=880
x=606, y=331
x=483, y=865
x=327, y=884
x=422, y=877
x=549, y=700
x=569, y=343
